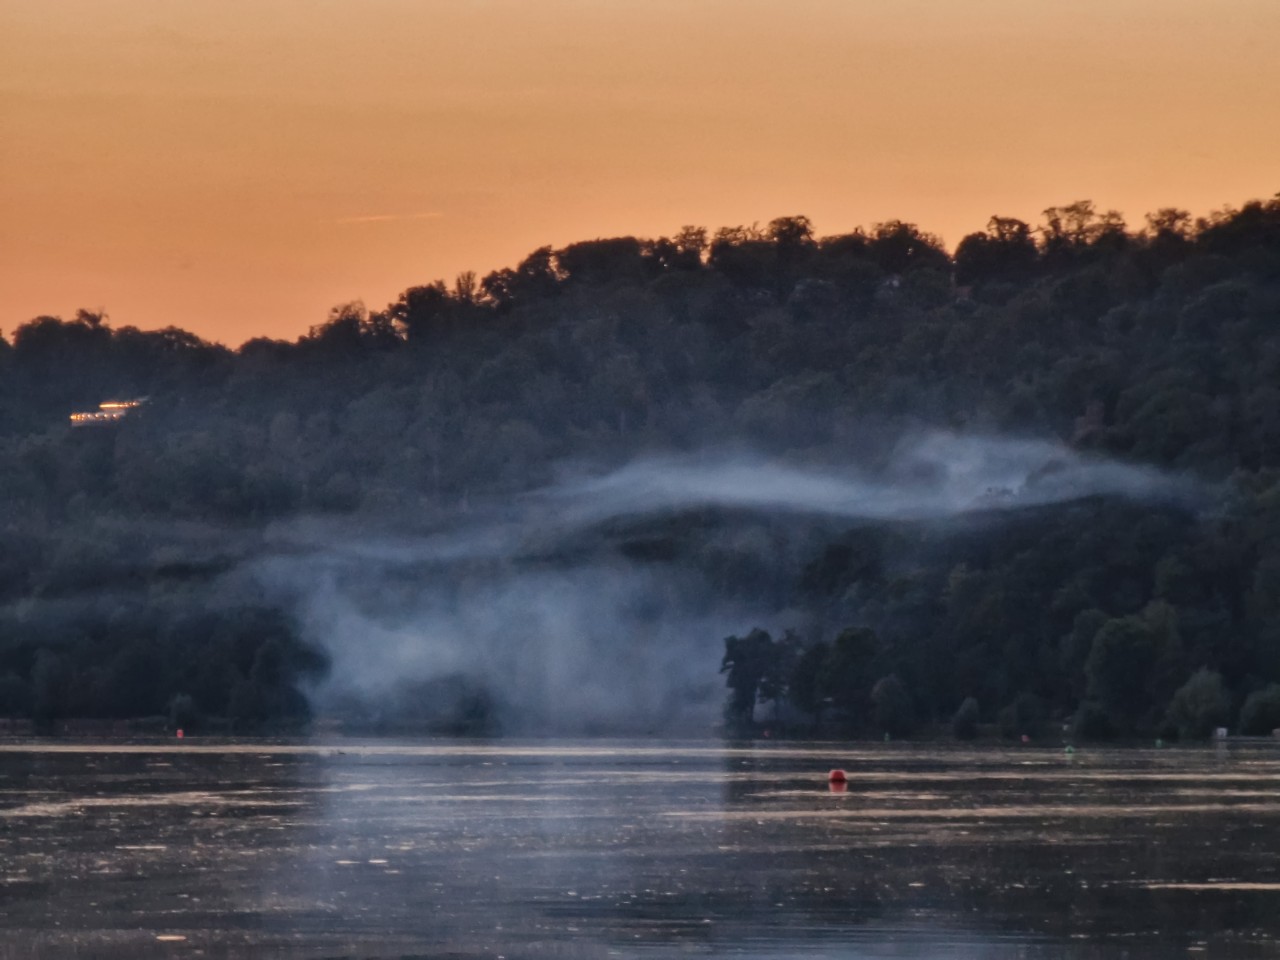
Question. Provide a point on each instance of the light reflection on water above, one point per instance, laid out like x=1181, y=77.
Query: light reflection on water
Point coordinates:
x=608, y=849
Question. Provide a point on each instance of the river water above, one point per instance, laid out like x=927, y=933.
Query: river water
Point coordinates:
x=595, y=849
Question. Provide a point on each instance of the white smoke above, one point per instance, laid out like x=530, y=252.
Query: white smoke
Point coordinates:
x=587, y=640
x=936, y=476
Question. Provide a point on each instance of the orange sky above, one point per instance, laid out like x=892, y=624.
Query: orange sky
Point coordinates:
x=238, y=167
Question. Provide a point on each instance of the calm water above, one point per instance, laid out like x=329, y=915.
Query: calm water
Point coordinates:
x=602, y=849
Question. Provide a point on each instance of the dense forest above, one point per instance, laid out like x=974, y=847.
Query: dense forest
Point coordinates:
x=141, y=557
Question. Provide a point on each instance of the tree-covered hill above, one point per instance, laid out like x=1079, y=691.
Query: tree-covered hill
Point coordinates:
x=130, y=568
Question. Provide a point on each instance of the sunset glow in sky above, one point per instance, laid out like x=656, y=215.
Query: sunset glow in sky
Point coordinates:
x=237, y=168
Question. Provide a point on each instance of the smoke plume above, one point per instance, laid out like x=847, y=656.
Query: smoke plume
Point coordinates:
x=531, y=603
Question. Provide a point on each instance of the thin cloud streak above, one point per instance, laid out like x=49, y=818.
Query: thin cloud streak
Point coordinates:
x=389, y=217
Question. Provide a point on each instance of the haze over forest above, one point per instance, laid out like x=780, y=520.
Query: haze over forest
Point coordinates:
x=1030, y=483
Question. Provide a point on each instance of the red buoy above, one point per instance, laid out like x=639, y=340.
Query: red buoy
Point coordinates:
x=180, y=733
x=836, y=776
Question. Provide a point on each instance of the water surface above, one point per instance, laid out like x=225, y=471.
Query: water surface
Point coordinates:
x=592, y=849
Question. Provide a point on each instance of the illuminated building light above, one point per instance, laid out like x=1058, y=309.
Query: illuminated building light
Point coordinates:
x=108, y=411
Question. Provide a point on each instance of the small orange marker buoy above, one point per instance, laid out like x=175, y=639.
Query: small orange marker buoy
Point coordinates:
x=1025, y=738
x=836, y=776
x=180, y=733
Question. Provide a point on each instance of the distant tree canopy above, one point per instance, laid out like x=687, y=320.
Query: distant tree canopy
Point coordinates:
x=1159, y=345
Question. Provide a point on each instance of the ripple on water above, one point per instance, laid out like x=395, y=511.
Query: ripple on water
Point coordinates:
x=602, y=849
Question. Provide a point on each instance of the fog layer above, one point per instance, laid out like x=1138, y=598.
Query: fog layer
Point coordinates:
x=529, y=606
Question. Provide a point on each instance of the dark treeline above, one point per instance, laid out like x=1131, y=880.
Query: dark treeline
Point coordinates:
x=119, y=587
